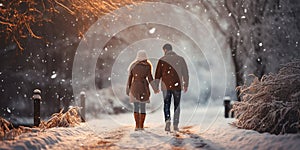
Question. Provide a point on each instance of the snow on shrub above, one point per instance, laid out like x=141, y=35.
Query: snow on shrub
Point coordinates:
x=5, y=130
x=67, y=119
x=70, y=118
x=9, y=132
x=271, y=104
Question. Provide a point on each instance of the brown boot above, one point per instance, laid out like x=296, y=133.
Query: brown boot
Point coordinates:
x=137, y=121
x=142, y=120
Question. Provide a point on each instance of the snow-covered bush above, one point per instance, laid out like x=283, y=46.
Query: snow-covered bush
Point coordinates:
x=271, y=104
x=9, y=132
x=6, y=130
x=70, y=118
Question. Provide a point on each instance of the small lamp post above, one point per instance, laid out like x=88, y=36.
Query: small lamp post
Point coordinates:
x=227, y=106
x=82, y=103
x=37, y=106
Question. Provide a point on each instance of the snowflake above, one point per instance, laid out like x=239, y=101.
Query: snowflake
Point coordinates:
x=8, y=110
x=53, y=76
x=152, y=30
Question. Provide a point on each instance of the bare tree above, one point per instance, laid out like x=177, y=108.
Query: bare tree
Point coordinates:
x=261, y=34
x=46, y=33
x=21, y=19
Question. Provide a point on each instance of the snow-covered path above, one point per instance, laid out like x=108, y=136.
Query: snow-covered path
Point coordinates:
x=126, y=138
x=154, y=136
x=204, y=128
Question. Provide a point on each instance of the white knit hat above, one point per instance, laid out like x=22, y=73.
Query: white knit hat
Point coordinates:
x=141, y=55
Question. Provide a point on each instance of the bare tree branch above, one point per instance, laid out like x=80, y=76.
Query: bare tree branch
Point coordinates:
x=20, y=17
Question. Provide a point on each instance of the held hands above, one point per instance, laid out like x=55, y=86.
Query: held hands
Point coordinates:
x=185, y=89
x=156, y=91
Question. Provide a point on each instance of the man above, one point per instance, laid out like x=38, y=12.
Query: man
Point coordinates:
x=172, y=71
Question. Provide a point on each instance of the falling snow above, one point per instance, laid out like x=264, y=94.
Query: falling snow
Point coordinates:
x=8, y=110
x=53, y=76
x=152, y=30
x=33, y=68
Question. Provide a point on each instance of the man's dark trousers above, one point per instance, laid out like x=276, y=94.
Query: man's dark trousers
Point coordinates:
x=167, y=94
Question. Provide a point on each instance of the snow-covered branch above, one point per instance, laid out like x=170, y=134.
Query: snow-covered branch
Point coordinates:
x=20, y=19
x=272, y=103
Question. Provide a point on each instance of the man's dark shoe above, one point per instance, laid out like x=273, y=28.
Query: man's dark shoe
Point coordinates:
x=176, y=127
x=168, y=124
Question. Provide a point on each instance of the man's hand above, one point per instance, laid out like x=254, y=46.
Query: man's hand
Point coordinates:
x=185, y=89
x=156, y=91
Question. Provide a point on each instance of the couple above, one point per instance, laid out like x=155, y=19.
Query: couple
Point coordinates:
x=171, y=70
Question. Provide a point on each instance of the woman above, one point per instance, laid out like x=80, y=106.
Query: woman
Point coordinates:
x=138, y=87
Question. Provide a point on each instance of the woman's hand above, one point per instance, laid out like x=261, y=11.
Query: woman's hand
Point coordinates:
x=127, y=91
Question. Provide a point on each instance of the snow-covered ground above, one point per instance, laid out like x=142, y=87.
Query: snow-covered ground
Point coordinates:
x=200, y=128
